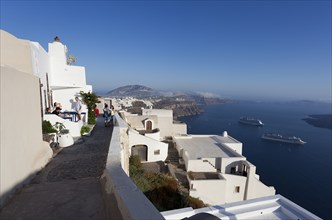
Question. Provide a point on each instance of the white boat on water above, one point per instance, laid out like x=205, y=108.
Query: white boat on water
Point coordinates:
x=281, y=138
x=250, y=121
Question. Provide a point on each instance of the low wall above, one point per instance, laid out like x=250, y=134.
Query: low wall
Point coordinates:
x=73, y=127
x=123, y=200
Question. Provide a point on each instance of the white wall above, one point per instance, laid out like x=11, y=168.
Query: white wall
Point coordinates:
x=199, y=165
x=23, y=152
x=70, y=76
x=41, y=67
x=232, y=182
x=62, y=74
x=261, y=189
x=179, y=129
x=237, y=147
x=211, y=191
x=15, y=52
x=153, y=135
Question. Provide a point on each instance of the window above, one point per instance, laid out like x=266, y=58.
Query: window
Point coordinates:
x=157, y=152
x=237, y=189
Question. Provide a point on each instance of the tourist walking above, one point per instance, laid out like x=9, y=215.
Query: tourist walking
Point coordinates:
x=78, y=108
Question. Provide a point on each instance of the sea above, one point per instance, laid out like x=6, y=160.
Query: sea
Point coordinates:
x=301, y=173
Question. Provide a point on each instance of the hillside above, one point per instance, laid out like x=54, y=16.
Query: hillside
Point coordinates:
x=137, y=91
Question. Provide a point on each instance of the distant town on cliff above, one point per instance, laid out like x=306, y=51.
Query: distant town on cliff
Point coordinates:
x=182, y=103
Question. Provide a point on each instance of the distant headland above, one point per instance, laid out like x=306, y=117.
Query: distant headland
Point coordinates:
x=321, y=121
x=182, y=103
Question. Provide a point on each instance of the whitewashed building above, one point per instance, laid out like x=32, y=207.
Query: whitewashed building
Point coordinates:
x=147, y=131
x=157, y=118
x=58, y=81
x=63, y=83
x=144, y=139
x=32, y=80
x=217, y=171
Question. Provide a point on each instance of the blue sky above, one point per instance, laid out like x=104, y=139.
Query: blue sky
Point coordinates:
x=237, y=49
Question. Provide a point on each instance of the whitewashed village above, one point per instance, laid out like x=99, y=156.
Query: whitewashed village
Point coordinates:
x=212, y=167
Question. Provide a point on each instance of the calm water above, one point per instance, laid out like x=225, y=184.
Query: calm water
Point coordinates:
x=299, y=173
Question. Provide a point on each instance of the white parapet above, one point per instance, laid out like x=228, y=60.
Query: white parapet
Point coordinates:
x=73, y=127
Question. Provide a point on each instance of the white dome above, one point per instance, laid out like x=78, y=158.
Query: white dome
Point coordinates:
x=225, y=134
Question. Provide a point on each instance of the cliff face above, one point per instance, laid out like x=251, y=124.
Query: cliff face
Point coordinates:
x=180, y=108
x=187, y=111
x=182, y=103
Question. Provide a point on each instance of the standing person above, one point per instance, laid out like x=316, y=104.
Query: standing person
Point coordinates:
x=106, y=110
x=78, y=108
x=112, y=112
x=106, y=115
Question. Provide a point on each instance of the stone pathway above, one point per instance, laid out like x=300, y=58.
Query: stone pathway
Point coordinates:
x=68, y=187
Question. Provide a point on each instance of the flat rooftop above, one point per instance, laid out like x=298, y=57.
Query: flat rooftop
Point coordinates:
x=207, y=146
x=274, y=207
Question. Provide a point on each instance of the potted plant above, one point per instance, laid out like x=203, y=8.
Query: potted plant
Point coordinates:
x=49, y=132
x=63, y=135
x=85, y=130
x=60, y=128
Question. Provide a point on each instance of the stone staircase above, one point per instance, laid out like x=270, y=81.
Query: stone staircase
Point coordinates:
x=176, y=169
x=173, y=155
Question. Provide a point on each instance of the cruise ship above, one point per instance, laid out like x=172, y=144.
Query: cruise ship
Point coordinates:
x=280, y=138
x=250, y=121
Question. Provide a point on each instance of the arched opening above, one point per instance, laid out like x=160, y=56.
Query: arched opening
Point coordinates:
x=141, y=151
x=149, y=125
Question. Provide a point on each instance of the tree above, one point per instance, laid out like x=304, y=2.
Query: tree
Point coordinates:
x=90, y=99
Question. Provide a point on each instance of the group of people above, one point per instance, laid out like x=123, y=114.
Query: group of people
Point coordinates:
x=55, y=110
x=77, y=106
x=108, y=114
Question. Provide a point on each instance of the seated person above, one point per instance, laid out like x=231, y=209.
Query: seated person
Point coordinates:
x=48, y=110
x=57, y=111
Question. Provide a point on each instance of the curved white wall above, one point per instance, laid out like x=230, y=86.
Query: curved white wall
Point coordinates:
x=23, y=151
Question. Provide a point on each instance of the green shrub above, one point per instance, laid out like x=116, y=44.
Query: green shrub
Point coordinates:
x=160, y=189
x=47, y=127
x=195, y=203
x=91, y=120
x=90, y=99
x=85, y=129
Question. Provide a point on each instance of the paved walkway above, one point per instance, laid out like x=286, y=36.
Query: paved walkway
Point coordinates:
x=68, y=187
